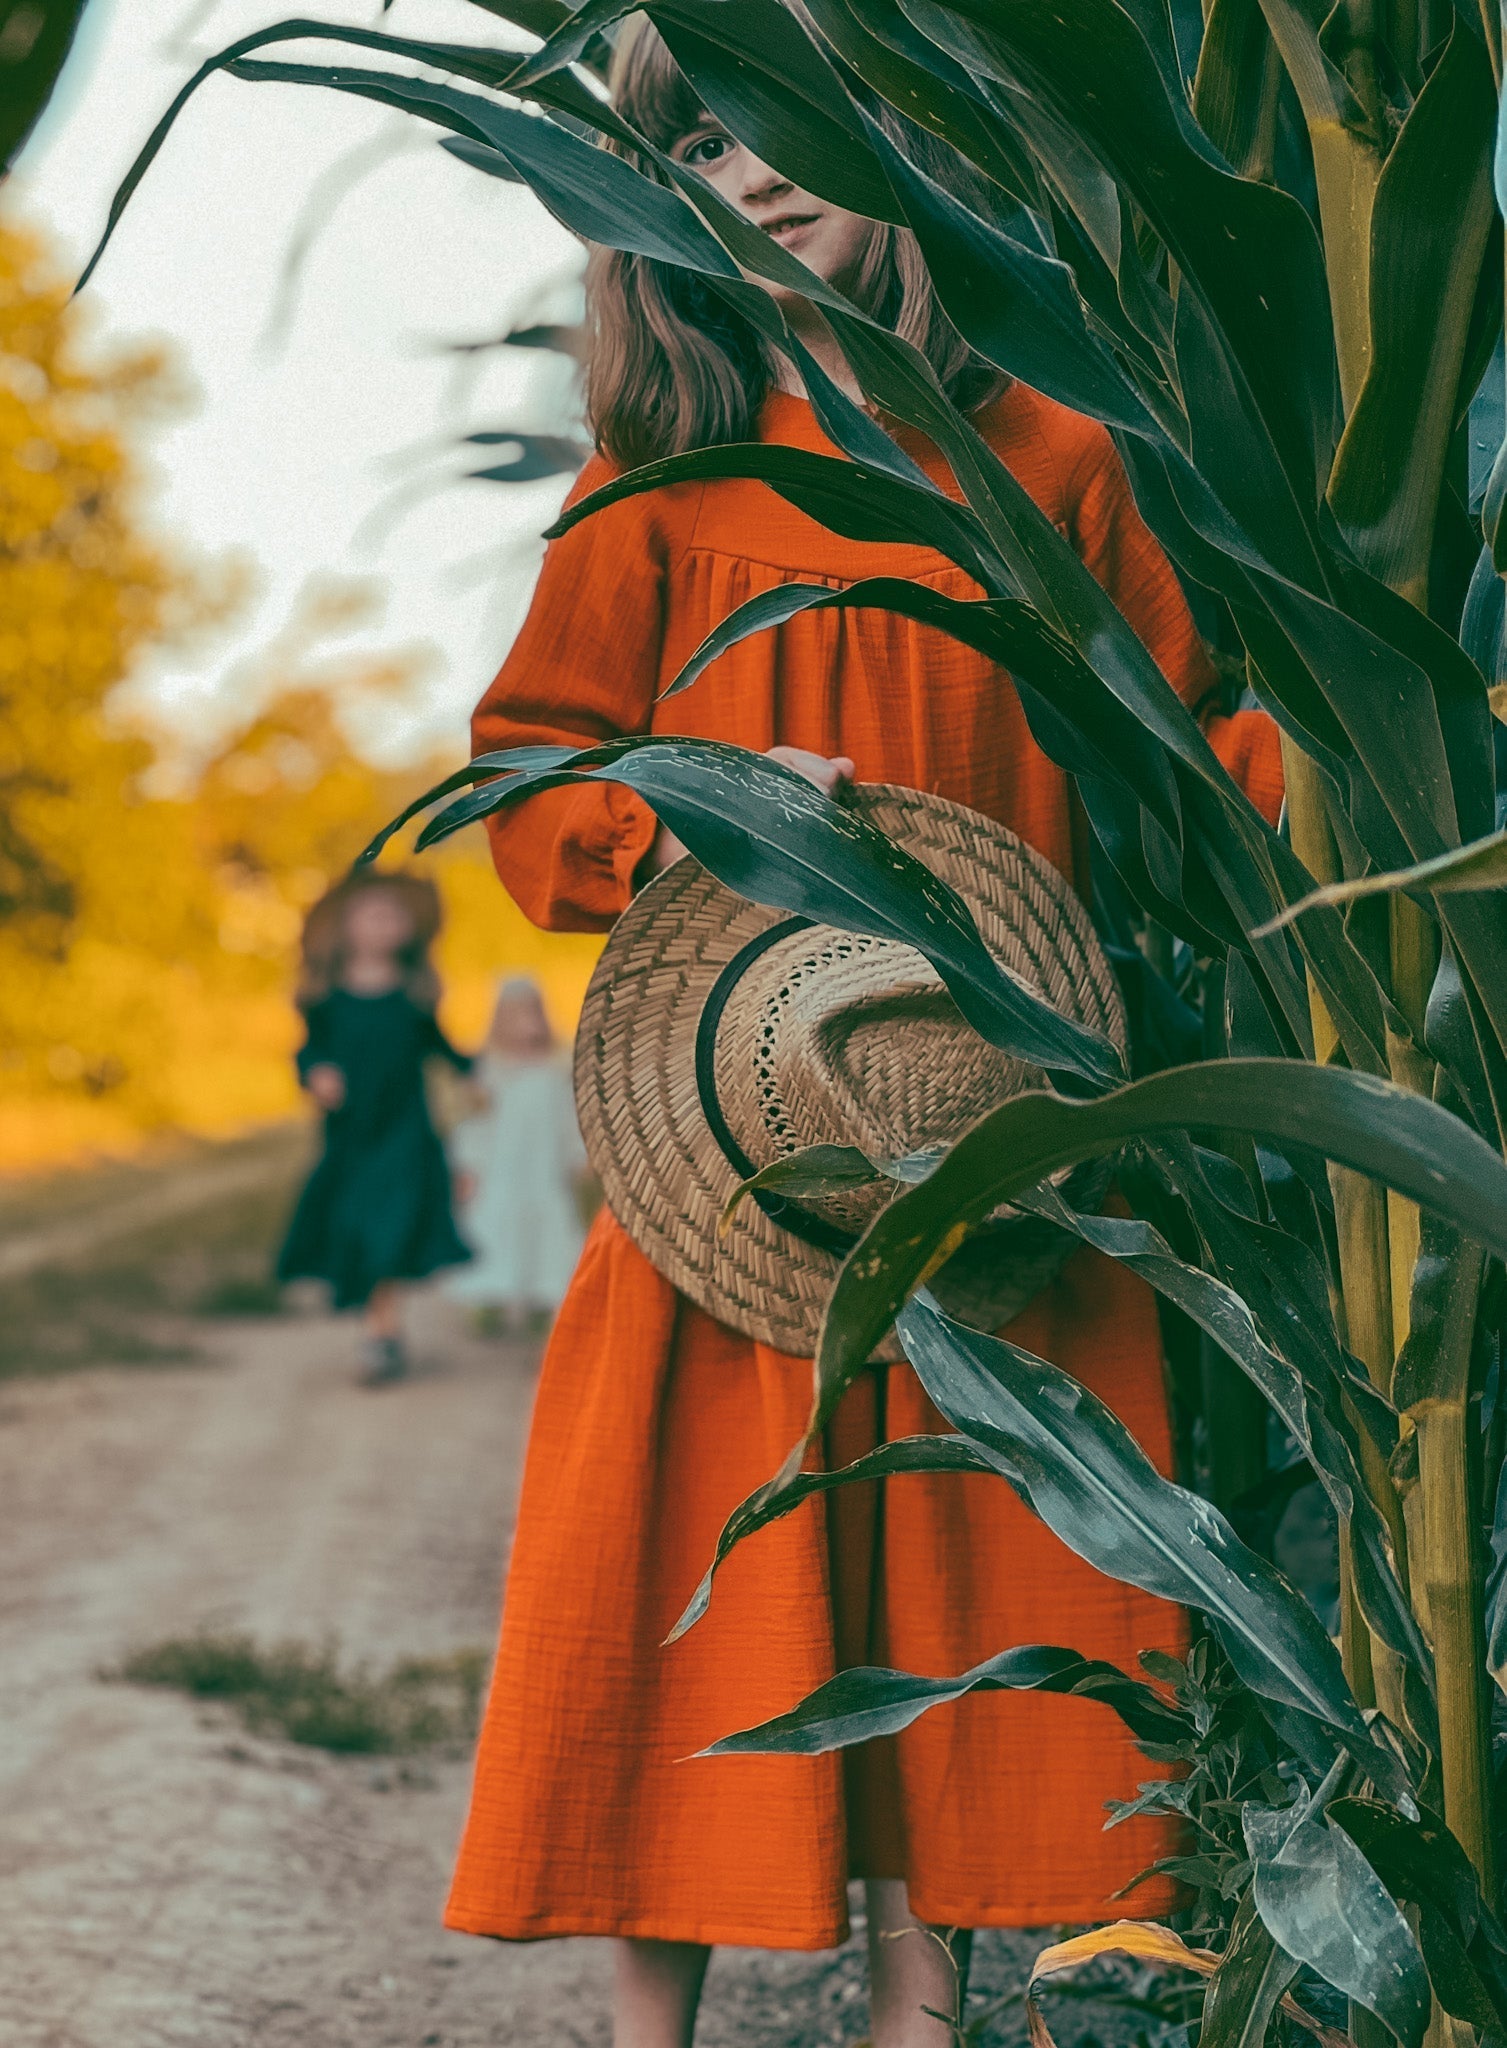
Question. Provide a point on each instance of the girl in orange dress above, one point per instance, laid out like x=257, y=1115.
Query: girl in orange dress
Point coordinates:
x=591, y=1813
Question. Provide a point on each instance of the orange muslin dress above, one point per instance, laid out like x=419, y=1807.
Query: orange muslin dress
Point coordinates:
x=590, y=1813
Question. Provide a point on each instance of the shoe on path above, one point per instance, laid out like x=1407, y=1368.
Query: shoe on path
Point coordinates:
x=386, y=1362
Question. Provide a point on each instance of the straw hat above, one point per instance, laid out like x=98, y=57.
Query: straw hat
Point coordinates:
x=719, y=1035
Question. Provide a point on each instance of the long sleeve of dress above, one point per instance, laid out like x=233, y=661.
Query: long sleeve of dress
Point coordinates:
x=437, y=1046
x=316, y=1049
x=584, y=669
x=1115, y=542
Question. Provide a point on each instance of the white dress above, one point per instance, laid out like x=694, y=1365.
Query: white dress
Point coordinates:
x=523, y=1151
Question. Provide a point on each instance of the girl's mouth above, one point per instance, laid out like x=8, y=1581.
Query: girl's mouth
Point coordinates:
x=785, y=226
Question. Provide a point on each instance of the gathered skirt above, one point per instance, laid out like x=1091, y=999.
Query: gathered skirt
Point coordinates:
x=592, y=1814
x=375, y=1208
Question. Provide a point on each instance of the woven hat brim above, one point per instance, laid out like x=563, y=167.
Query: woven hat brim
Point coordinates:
x=662, y=1172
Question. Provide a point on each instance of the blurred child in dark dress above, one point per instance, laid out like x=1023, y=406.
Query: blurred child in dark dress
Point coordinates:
x=376, y=1209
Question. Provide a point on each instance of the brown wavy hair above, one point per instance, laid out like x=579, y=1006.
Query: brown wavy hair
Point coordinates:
x=672, y=366
x=323, y=943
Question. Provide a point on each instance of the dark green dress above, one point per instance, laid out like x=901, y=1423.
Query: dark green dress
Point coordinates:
x=377, y=1205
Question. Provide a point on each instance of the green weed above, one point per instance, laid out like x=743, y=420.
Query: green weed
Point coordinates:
x=302, y=1694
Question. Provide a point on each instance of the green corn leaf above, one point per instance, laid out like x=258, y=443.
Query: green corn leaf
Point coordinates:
x=1323, y=673
x=1236, y=84
x=1016, y=306
x=1434, y=1363
x=1076, y=1465
x=568, y=41
x=1269, y=1312
x=1483, y=628
x=1107, y=738
x=1238, y=464
x=792, y=1485
x=1322, y=88
x=813, y=1170
x=919, y=82
x=1250, y=250
x=1424, y=1867
x=1493, y=524
x=848, y=497
x=1357, y=671
x=1480, y=865
x=1433, y=210
x=480, y=769
x=1461, y=1042
x=538, y=17
x=1322, y=1901
x=756, y=71
x=1358, y=1120
x=1461, y=704
x=1247, y=1988
x=1476, y=925
x=866, y=1702
x=32, y=64
x=1282, y=1280
x=1220, y=1312
x=486, y=67
x=1496, y=1589
x=589, y=190
x=774, y=838
x=1249, y=864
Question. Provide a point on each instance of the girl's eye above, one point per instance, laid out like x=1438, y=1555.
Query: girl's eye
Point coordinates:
x=705, y=149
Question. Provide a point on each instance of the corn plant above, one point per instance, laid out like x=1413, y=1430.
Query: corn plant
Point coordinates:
x=1259, y=242
x=35, y=38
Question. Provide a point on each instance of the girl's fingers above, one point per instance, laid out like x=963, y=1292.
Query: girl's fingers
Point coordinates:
x=666, y=850
x=824, y=770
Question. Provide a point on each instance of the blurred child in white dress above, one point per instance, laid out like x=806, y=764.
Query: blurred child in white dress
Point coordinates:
x=520, y=1165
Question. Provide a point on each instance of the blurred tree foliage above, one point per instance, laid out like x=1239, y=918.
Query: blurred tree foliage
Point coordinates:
x=150, y=902
x=80, y=590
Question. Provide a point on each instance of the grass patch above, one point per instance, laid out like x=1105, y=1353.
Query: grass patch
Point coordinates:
x=241, y=1294
x=134, y=1299
x=302, y=1694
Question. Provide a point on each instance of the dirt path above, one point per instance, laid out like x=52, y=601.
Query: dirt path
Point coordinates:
x=166, y=1878
x=46, y=1225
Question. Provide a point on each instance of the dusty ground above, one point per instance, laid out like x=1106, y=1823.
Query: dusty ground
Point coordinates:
x=164, y=1876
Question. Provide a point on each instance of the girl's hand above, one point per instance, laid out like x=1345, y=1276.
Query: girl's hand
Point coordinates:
x=826, y=771
x=327, y=1086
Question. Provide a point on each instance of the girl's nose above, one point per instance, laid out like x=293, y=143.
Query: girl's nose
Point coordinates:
x=759, y=180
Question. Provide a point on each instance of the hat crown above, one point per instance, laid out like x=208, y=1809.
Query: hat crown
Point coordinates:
x=840, y=1038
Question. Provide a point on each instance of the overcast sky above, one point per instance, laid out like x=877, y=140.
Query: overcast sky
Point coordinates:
x=292, y=450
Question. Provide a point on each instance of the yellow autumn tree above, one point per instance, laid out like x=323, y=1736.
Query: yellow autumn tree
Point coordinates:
x=149, y=923
x=81, y=594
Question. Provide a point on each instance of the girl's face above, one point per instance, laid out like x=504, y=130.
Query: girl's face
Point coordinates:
x=377, y=923
x=828, y=240
x=519, y=1024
